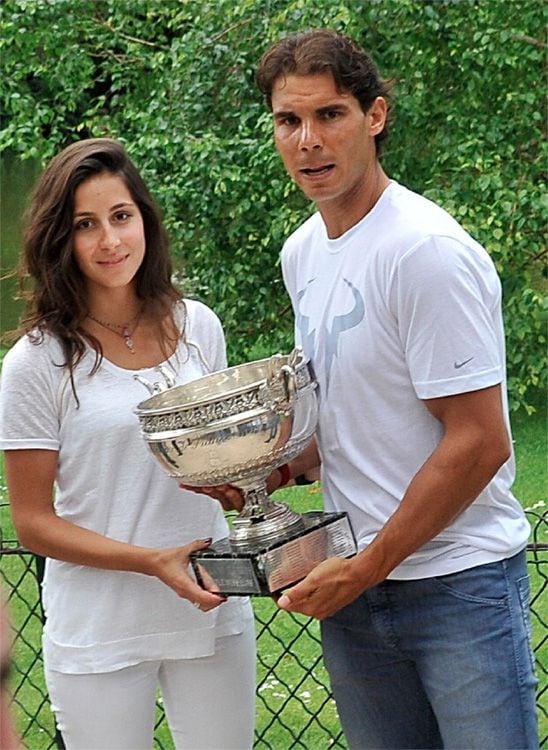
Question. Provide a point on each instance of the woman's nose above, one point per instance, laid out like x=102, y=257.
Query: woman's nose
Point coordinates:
x=109, y=237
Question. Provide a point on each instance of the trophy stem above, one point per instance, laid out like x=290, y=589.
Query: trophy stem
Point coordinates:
x=261, y=517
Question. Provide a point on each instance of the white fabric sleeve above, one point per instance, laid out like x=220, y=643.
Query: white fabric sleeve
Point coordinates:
x=28, y=398
x=287, y=264
x=206, y=332
x=446, y=298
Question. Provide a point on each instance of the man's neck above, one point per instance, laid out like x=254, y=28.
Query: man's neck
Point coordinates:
x=341, y=214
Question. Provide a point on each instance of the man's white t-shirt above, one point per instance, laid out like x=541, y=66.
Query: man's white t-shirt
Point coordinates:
x=108, y=481
x=404, y=306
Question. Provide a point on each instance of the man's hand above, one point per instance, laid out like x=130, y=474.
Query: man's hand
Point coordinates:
x=329, y=587
x=230, y=497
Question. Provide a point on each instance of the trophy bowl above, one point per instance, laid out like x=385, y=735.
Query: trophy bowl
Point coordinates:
x=235, y=427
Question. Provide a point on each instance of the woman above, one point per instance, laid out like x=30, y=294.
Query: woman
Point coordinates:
x=124, y=614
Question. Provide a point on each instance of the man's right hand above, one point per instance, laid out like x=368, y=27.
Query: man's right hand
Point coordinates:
x=230, y=497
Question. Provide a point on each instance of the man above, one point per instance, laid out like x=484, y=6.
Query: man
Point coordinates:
x=425, y=630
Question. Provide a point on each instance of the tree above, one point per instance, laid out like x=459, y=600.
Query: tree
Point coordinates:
x=174, y=81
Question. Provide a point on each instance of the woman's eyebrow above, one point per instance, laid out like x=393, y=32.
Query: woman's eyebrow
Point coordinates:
x=112, y=208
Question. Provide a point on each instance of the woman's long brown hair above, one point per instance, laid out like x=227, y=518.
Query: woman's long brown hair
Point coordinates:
x=57, y=300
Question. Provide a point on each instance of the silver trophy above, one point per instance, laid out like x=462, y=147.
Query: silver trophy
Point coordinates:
x=235, y=427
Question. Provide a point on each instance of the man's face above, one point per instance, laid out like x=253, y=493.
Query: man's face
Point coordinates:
x=325, y=139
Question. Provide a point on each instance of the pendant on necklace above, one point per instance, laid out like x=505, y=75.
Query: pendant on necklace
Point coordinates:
x=128, y=340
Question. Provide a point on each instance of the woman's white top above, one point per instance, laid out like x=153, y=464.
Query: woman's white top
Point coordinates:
x=109, y=482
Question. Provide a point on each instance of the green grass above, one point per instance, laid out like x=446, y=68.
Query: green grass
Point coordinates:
x=530, y=435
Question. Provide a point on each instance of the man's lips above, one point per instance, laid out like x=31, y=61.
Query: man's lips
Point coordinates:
x=318, y=171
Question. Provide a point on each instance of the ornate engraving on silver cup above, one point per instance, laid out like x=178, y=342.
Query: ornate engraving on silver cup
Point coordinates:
x=234, y=427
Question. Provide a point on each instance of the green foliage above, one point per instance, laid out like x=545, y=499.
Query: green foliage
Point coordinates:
x=174, y=81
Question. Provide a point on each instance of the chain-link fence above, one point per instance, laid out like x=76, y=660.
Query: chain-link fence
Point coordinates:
x=294, y=706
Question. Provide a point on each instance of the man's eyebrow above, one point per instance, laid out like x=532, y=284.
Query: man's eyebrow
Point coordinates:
x=331, y=107
x=281, y=113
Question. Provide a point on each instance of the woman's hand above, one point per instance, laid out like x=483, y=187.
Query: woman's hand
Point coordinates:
x=172, y=567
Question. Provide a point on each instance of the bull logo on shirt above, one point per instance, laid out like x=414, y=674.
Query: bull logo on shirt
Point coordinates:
x=332, y=331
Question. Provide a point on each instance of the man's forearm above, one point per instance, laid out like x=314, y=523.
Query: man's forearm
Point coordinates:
x=306, y=461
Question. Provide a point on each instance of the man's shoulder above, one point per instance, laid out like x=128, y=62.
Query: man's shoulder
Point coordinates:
x=412, y=220
x=307, y=229
x=415, y=212
x=416, y=207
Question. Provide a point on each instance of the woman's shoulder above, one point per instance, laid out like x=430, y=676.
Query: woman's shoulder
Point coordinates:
x=202, y=330
x=33, y=366
x=34, y=349
x=191, y=313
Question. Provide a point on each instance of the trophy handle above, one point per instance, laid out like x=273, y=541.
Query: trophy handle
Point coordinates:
x=279, y=392
x=290, y=384
x=154, y=388
x=295, y=357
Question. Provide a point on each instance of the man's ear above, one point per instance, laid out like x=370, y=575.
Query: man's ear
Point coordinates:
x=377, y=113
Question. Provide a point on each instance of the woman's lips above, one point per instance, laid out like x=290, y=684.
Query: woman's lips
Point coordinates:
x=113, y=261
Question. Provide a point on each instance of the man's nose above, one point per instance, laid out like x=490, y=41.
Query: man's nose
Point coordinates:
x=310, y=137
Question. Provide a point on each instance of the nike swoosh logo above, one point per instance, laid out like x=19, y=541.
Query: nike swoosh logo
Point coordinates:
x=458, y=365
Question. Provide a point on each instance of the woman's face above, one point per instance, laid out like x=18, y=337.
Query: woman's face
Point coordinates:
x=108, y=236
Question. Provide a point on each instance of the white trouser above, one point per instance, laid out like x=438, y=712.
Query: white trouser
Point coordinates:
x=209, y=702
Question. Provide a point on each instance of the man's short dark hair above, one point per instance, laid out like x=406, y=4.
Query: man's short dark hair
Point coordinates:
x=325, y=51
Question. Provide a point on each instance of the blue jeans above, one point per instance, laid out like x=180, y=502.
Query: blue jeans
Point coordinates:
x=437, y=663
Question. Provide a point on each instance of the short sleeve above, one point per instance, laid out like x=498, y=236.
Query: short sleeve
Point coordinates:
x=447, y=303
x=204, y=331
x=28, y=402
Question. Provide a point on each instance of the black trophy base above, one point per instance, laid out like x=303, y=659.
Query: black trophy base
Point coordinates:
x=266, y=567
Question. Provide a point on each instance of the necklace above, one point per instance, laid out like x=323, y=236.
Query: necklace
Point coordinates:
x=126, y=330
